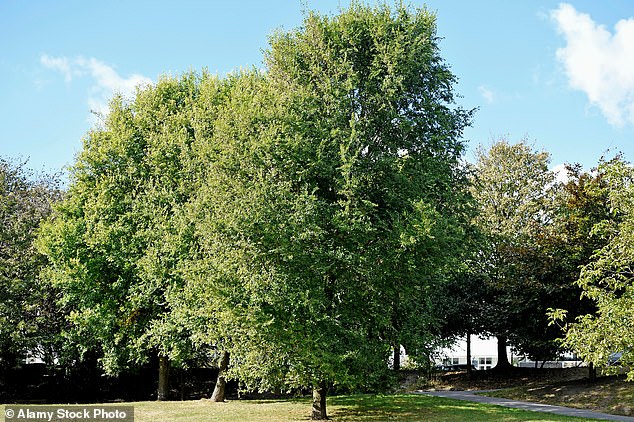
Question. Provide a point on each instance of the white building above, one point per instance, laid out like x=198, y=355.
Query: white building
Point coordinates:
x=484, y=353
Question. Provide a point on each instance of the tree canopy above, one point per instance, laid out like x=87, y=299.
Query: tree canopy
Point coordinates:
x=299, y=223
x=515, y=192
x=334, y=201
x=607, y=280
x=29, y=317
x=114, y=242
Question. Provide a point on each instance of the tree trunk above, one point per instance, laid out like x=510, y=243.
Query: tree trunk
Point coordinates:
x=219, y=390
x=469, y=353
x=397, y=357
x=319, y=402
x=503, y=360
x=182, y=384
x=592, y=372
x=163, y=384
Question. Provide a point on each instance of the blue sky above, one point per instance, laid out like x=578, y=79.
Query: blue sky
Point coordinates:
x=558, y=74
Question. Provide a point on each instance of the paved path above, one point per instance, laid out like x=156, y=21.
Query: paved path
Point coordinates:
x=535, y=407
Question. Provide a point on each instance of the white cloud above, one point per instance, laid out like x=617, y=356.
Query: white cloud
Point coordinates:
x=105, y=80
x=561, y=174
x=486, y=93
x=598, y=62
x=60, y=64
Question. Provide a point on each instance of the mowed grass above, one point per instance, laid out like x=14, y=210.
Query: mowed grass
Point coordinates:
x=399, y=407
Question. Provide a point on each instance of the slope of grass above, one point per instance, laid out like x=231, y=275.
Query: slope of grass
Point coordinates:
x=401, y=407
x=563, y=387
x=608, y=394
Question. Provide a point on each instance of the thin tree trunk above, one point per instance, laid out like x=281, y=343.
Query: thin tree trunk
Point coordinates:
x=319, y=402
x=182, y=384
x=219, y=390
x=503, y=359
x=468, y=353
x=163, y=384
x=592, y=372
x=397, y=357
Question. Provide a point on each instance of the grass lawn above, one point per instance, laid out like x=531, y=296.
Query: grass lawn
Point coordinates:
x=402, y=407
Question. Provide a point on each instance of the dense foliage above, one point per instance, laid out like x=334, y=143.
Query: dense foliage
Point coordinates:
x=334, y=201
x=605, y=336
x=29, y=316
x=515, y=192
x=114, y=242
x=296, y=225
x=297, y=218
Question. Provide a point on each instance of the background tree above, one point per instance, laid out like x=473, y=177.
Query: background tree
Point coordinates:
x=565, y=246
x=515, y=192
x=29, y=320
x=336, y=201
x=460, y=302
x=560, y=249
x=607, y=279
x=581, y=205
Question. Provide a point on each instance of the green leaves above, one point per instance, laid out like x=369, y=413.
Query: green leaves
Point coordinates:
x=295, y=217
x=607, y=279
x=516, y=194
x=29, y=319
x=115, y=241
x=334, y=199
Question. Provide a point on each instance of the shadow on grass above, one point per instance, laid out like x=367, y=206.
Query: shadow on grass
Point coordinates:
x=272, y=401
x=406, y=407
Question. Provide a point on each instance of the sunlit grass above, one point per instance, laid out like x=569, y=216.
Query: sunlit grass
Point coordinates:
x=427, y=408
x=403, y=407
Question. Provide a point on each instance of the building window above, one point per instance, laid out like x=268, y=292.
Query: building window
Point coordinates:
x=485, y=362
